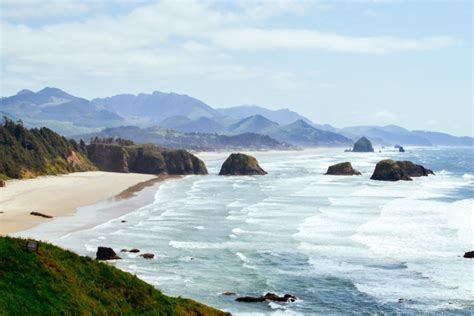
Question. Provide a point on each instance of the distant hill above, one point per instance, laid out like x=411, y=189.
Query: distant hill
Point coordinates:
x=157, y=106
x=386, y=135
x=200, y=125
x=57, y=109
x=443, y=139
x=252, y=124
x=54, y=281
x=303, y=134
x=27, y=153
x=193, y=141
x=282, y=116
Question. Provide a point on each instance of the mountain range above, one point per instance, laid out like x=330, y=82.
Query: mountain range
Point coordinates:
x=197, y=121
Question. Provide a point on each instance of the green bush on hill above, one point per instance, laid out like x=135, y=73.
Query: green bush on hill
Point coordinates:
x=54, y=281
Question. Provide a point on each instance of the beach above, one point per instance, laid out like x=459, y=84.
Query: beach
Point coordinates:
x=60, y=196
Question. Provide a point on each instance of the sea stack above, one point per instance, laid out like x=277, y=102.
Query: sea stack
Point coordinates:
x=240, y=165
x=390, y=170
x=342, y=169
x=363, y=145
x=401, y=149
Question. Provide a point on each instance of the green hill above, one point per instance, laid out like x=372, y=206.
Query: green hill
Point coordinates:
x=26, y=153
x=54, y=281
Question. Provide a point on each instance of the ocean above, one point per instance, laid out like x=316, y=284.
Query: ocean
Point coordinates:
x=341, y=245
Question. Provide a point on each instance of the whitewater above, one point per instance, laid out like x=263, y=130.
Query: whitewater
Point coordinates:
x=342, y=245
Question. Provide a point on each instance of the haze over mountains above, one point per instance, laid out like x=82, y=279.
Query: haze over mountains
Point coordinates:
x=183, y=121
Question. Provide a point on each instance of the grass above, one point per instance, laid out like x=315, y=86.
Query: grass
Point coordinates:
x=55, y=281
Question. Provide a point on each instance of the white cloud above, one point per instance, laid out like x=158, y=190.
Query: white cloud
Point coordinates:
x=262, y=39
x=168, y=38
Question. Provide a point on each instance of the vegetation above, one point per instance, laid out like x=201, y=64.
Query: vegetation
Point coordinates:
x=26, y=153
x=54, y=281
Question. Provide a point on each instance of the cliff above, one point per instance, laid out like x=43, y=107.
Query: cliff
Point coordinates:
x=144, y=159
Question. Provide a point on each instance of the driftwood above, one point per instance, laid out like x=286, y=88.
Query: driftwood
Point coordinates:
x=41, y=214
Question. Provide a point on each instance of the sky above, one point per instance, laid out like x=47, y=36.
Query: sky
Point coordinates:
x=343, y=63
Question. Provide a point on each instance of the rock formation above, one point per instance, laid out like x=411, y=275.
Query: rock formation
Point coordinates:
x=401, y=149
x=148, y=159
x=389, y=170
x=267, y=297
x=2, y=183
x=469, y=255
x=147, y=255
x=241, y=164
x=363, y=145
x=105, y=253
x=342, y=169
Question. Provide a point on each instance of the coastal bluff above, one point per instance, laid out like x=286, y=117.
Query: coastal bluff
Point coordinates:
x=390, y=170
x=238, y=164
x=148, y=159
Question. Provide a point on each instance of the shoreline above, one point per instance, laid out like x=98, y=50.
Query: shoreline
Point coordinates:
x=64, y=196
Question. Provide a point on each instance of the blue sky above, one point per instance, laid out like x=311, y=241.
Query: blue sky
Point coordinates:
x=338, y=62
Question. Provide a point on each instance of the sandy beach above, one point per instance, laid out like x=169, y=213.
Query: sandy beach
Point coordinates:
x=59, y=196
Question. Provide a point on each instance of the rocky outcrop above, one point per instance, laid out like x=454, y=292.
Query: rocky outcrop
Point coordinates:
x=241, y=164
x=469, y=255
x=363, y=145
x=105, y=253
x=147, y=255
x=401, y=149
x=267, y=297
x=147, y=159
x=108, y=157
x=390, y=170
x=342, y=169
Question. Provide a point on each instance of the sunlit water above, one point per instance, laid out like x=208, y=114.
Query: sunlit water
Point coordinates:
x=342, y=245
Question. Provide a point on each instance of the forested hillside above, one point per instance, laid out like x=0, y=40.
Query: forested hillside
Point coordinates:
x=26, y=153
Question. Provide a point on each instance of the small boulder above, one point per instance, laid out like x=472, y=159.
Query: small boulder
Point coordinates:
x=390, y=170
x=241, y=164
x=134, y=250
x=229, y=293
x=250, y=299
x=105, y=253
x=363, y=145
x=147, y=255
x=342, y=169
x=2, y=183
x=469, y=255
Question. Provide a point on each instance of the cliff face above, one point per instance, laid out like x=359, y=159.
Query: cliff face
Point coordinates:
x=144, y=159
x=241, y=164
x=108, y=157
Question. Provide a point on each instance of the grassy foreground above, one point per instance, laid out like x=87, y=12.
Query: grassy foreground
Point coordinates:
x=56, y=281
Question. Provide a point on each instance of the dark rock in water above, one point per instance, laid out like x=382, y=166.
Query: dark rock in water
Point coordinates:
x=241, y=164
x=342, y=169
x=2, y=183
x=123, y=221
x=134, y=250
x=397, y=146
x=267, y=297
x=347, y=150
x=229, y=294
x=389, y=170
x=41, y=214
x=105, y=253
x=363, y=145
x=401, y=149
x=276, y=298
x=147, y=255
x=469, y=255
x=124, y=250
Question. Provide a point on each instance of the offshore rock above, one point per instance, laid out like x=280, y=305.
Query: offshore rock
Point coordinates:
x=342, y=169
x=390, y=170
x=363, y=145
x=241, y=164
